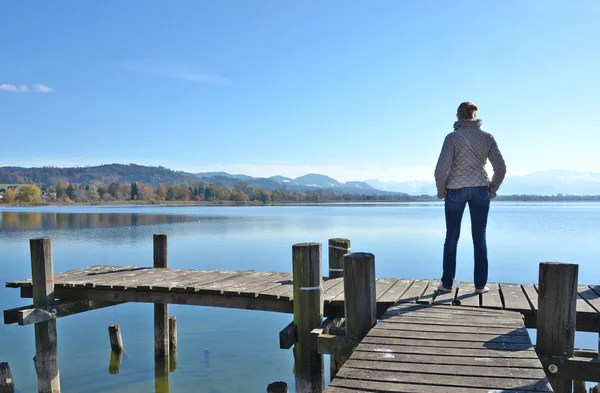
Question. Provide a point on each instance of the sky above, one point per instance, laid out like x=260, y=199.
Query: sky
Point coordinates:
x=352, y=89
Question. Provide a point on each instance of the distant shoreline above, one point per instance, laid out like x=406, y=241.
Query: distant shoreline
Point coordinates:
x=571, y=199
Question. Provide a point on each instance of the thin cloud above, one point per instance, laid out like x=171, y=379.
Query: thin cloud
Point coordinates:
x=179, y=72
x=14, y=88
x=39, y=88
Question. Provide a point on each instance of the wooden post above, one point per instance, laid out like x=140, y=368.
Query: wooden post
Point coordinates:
x=308, y=314
x=172, y=343
x=161, y=324
x=338, y=247
x=360, y=300
x=277, y=387
x=116, y=342
x=46, y=350
x=556, y=318
x=579, y=387
x=161, y=311
x=7, y=384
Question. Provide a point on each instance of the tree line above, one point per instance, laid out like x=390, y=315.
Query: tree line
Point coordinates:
x=210, y=192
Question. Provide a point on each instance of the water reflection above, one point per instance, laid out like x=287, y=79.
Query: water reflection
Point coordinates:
x=34, y=221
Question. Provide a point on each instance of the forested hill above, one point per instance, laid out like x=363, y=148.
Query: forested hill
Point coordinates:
x=102, y=174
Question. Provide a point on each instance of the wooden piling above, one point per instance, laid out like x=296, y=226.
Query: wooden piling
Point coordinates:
x=308, y=314
x=172, y=343
x=338, y=247
x=277, y=387
x=579, y=387
x=161, y=310
x=116, y=342
x=46, y=350
x=7, y=384
x=360, y=299
x=556, y=318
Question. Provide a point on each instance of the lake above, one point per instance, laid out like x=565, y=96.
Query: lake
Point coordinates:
x=224, y=350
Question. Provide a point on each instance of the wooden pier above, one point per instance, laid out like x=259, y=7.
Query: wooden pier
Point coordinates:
x=383, y=334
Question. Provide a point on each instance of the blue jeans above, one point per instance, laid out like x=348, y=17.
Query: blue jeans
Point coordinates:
x=478, y=199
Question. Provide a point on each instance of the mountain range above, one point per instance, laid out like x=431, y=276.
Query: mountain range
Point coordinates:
x=538, y=183
x=551, y=182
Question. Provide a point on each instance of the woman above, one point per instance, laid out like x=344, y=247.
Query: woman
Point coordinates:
x=461, y=179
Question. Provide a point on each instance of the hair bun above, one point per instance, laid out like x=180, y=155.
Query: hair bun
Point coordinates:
x=473, y=106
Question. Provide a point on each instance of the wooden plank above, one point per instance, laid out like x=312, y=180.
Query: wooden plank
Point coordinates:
x=280, y=292
x=159, y=280
x=492, y=298
x=122, y=280
x=214, y=277
x=189, y=298
x=425, y=321
x=514, y=298
x=444, y=369
x=532, y=296
x=450, y=336
x=447, y=298
x=386, y=340
x=395, y=292
x=414, y=292
x=214, y=287
x=533, y=384
x=102, y=277
x=382, y=285
x=473, y=361
x=450, y=351
x=332, y=288
x=430, y=292
x=458, y=312
x=343, y=385
x=590, y=296
x=260, y=279
x=279, y=280
x=470, y=329
x=466, y=295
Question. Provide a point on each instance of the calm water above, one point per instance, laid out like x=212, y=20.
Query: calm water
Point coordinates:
x=224, y=350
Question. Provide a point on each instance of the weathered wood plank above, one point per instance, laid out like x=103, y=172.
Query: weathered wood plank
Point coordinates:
x=447, y=298
x=414, y=292
x=442, y=343
x=531, y=294
x=473, y=361
x=528, y=384
x=482, y=371
x=378, y=331
x=343, y=385
x=430, y=292
x=466, y=295
x=382, y=285
x=432, y=321
x=449, y=350
x=332, y=288
x=590, y=296
x=492, y=298
x=474, y=330
x=514, y=298
x=284, y=291
x=395, y=292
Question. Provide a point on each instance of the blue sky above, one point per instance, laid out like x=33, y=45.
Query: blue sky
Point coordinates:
x=352, y=89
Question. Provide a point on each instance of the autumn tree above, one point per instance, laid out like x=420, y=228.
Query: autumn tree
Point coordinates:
x=29, y=193
x=93, y=194
x=145, y=192
x=9, y=195
x=161, y=192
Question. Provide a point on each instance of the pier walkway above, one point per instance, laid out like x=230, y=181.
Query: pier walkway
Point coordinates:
x=422, y=349
x=382, y=334
x=271, y=291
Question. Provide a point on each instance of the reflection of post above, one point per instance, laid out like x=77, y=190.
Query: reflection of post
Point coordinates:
x=161, y=324
x=46, y=352
x=114, y=366
x=308, y=314
x=172, y=343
